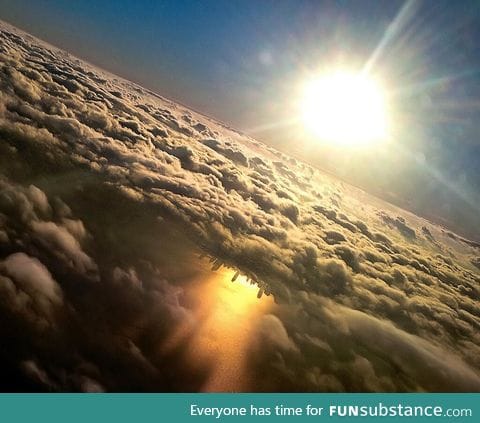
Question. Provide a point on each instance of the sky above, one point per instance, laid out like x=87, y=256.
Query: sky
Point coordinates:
x=243, y=62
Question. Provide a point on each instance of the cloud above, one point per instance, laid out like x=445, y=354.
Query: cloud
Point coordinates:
x=272, y=332
x=32, y=277
x=107, y=194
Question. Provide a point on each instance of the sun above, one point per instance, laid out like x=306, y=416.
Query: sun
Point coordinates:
x=345, y=109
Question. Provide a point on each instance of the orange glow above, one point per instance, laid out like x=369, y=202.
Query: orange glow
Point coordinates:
x=225, y=314
x=224, y=334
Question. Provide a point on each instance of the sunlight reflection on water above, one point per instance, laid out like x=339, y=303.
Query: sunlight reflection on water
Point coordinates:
x=224, y=319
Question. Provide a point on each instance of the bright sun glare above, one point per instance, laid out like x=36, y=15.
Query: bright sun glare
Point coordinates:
x=345, y=109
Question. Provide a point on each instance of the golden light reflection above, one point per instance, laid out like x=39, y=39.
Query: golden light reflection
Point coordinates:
x=225, y=316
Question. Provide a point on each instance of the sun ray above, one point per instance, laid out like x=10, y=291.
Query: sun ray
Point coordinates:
x=400, y=20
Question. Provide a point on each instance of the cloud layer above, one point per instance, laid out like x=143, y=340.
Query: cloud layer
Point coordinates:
x=107, y=193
